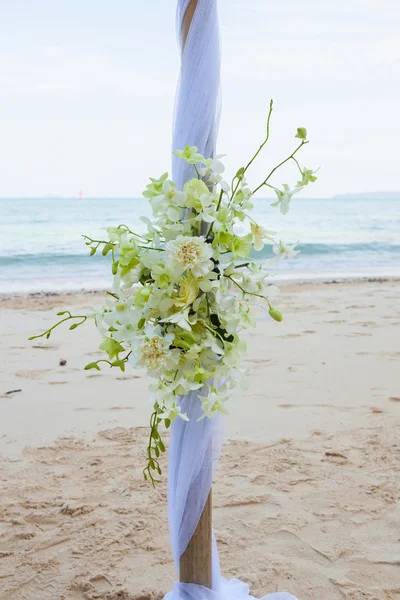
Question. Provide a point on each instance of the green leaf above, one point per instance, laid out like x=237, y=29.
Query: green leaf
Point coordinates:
x=47, y=335
x=301, y=133
x=92, y=365
x=111, y=347
x=63, y=312
x=239, y=173
x=93, y=250
x=275, y=314
x=161, y=446
x=167, y=423
x=157, y=451
x=119, y=363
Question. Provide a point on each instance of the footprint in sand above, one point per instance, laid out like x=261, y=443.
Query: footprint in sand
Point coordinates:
x=359, y=306
x=394, y=399
x=259, y=479
x=335, y=321
x=259, y=360
x=46, y=347
x=336, y=457
x=101, y=585
x=289, y=336
x=358, y=334
x=391, y=355
x=32, y=374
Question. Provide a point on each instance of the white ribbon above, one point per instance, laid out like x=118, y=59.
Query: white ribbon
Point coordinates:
x=195, y=445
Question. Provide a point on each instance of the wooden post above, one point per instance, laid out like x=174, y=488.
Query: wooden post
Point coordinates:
x=187, y=19
x=196, y=562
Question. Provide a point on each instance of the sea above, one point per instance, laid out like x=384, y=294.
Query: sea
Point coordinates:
x=42, y=249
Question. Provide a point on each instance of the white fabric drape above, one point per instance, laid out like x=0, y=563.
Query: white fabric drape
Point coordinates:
x=195, y=445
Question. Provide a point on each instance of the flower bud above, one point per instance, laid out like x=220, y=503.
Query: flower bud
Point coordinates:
x=114, y=268
x=142, y=296
x=301, y=133
x=275, y=314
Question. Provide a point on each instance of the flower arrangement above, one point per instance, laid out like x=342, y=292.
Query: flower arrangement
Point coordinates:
x=182, y=292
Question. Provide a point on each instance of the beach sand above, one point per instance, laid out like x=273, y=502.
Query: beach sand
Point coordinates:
x=306, y=497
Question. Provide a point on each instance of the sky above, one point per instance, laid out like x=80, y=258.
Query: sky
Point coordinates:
x=87, y=92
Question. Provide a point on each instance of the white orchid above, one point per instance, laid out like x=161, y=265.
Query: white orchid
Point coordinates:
x=259, y=235
x=172, y=195
x=213, y=164
x=190, y=154
x=308, y=176
x=284, y=197
x=282, y=250
x=122, y=313
x=181, y=319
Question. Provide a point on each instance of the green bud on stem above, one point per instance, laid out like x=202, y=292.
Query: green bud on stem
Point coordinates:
x=275, y=314
x=301, y=133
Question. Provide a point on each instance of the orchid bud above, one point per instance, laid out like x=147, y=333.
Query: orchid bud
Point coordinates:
x=275, y=314
x=301, y=133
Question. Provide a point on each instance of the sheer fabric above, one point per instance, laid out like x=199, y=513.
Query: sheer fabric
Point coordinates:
x=195, y=445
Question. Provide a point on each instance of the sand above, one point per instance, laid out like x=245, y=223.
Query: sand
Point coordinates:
x=306, y=498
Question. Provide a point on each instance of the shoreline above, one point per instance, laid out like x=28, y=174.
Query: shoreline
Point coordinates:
x=287, y=283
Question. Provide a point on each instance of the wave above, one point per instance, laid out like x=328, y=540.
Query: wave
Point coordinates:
x=336, y=249
x=68, y=258
x=50, y=259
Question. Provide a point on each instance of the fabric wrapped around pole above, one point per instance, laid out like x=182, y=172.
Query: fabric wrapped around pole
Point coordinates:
x=195, y=445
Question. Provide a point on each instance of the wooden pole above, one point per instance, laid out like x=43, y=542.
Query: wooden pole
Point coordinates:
x=196, y=562
x=187, y=20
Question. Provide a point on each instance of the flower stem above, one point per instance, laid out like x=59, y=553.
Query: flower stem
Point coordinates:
x=48, y=332
x=258, y=151
x=153, y=451
x=280, y=164
x=244, y=291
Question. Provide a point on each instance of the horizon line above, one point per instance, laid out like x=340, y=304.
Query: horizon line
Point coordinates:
x=77, y=197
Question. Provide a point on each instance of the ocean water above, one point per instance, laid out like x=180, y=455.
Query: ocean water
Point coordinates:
x=41, y=248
